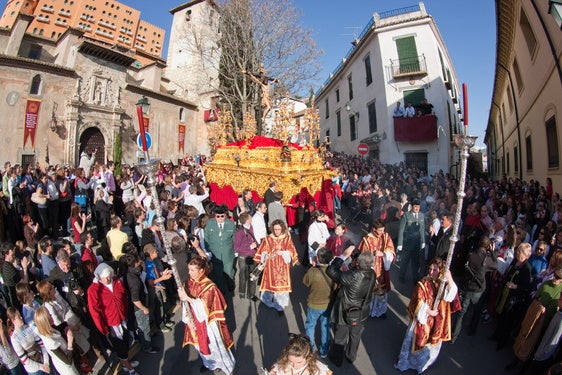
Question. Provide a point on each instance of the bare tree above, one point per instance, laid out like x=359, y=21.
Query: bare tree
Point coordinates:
x=258, y=34
x=250, y=35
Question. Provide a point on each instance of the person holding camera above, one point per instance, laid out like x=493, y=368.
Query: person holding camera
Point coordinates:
x=351, y=306
x=319, y=301
x=480, y=261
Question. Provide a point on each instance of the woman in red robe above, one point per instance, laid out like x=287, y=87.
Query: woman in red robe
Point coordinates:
x=207, y=331
x=277, y=253
x=429, y=327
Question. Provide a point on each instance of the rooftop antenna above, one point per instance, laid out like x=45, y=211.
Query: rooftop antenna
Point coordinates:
x=355, y=29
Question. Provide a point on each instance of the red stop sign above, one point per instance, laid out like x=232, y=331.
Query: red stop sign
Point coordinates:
x=363, y=148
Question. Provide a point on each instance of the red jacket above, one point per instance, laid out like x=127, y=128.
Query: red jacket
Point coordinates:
x=106, y=307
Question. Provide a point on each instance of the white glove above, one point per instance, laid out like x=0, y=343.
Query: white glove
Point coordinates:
x=422, y=246
x=286, y=256
x=399, y=248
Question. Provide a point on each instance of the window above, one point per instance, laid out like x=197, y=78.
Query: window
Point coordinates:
x=36, y=85
x=338, y=123
x=327, y=108
x=552, y=143
x=529, y=152
x=338, y=95
x=368, y=72
x=416, y=160
x=182, y=115
x=352, y=128
x=413, y=96
x=507, y=161
x=516, y=159
x=350, y=86
x=407, y=55
x=503, y=110
x=528, y=34
x=518, y=78
x=372, y=110
x=509, y=99
x=35, y=52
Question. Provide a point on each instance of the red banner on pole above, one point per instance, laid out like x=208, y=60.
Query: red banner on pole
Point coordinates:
x=31, y=120
x=146, y=123
x=181, y=137
x=142, y=128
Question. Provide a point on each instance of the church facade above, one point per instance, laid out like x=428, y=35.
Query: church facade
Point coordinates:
x=72, y=93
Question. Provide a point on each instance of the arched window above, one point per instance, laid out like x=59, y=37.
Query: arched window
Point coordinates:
x=182, y=115
x=36, y=85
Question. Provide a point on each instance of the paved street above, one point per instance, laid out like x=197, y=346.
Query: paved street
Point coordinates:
x=259, y=335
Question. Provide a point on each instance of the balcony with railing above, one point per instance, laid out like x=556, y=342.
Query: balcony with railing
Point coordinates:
x=408, y=67
x=417, y=129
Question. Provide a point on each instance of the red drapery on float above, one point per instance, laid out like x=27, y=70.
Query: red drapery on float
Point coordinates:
x=322, y=200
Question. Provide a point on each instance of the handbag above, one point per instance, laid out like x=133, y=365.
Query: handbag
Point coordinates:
x=35, y=198
x=352, y=315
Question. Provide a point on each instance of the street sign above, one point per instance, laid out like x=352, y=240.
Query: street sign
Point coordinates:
x=148, y=140
x=363, y=148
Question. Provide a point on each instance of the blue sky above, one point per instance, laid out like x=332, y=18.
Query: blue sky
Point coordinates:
x=468, y=28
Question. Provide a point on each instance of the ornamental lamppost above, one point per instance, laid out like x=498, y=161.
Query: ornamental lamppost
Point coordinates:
x=149, y=168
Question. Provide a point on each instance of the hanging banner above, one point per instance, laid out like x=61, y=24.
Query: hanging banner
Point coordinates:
x=31, y=120
x=145, y=122
x=181, y=138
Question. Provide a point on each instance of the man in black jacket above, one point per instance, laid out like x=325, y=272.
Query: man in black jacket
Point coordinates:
x=480, y=261
x=356, y=285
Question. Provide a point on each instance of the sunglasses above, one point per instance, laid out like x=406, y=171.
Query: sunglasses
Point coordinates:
x=220, y=215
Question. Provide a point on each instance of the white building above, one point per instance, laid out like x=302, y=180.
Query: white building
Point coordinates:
x=399, y=56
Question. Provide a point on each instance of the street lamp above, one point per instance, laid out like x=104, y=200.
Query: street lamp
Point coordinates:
x=144, y=104
x=348, y=109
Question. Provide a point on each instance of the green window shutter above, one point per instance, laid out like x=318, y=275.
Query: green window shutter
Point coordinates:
x=414, y=96
x=408, y=55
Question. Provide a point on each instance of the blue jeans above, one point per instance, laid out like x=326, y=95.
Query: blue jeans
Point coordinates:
x=312, y=317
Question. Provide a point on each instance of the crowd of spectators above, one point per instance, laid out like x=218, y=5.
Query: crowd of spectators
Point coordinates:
x=66, y=232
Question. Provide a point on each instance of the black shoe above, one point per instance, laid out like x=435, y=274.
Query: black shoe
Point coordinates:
x=151, y=350
x=254, y=299
x=203, y=369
